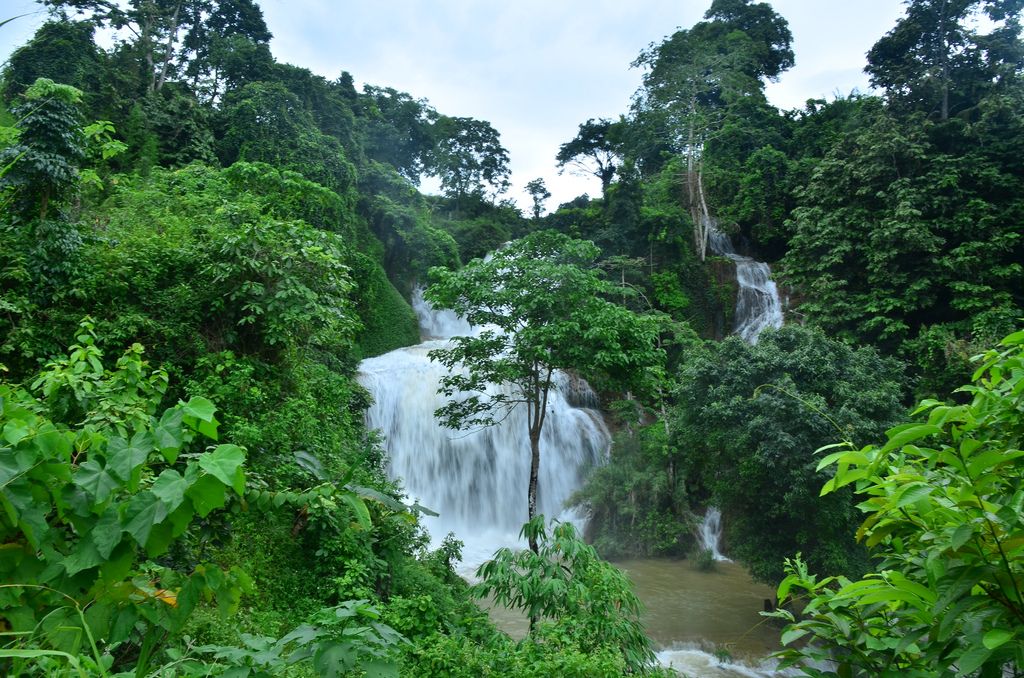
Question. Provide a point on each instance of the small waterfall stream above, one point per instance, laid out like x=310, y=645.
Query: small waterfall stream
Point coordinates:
x=758, y=304
x=710, y=533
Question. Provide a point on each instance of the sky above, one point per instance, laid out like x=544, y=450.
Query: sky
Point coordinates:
x=534, y=69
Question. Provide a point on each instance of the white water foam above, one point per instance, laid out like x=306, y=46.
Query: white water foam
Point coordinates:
x=758, y=304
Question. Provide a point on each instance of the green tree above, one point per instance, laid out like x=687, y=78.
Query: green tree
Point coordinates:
x=227, y=46
x=699, y=78
x=547, y=314
x=943, y=502
x=155, y=25
x=935, y=61
x=907, y=236
x=592, y=151
x=48, y=149
x=468, y=154
x=744, y=431
x=539, y=193
x=397, y=130
x=62, y=51
x=566, y=582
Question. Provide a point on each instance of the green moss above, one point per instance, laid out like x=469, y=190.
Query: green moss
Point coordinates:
x=388, y=320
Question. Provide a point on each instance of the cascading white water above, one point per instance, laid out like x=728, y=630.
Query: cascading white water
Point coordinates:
x=758, y=304
x=710, y=533
x=438, y=324
x=476, y=480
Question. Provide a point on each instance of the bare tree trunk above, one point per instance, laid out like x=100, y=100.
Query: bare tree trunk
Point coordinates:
x=170, y=46
x=945, y=62
x=147, y=29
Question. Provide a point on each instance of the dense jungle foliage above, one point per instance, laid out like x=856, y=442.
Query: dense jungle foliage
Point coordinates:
x=198, y=244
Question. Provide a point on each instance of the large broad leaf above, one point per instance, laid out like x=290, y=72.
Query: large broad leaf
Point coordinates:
x=94, y=479
x=25, y=510
x=9, y=467
x=333, y=660
x=47, y=438
x=143, y=511
x=379, y=668
x=160, y=538
x=167, y=435
x=225, y=463
x=124, y=457
x=15, y=430
x=200, y=408
x=206, y=494
x=171, y=485
x=84, y=556
x=106, y=533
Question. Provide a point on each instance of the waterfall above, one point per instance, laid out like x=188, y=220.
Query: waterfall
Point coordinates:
x=711, y=533
x=476, y=480
x=758, y=304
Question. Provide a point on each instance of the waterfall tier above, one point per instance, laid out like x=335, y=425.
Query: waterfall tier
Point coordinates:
x=758, y=304
x=477, y=480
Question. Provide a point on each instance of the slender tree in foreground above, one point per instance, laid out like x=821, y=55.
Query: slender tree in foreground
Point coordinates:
x=544, y=311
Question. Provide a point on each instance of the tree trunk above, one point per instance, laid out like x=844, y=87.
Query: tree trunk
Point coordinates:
x=147, y=46
x=535, y=414
x=945, y=62
x=170, y=46
x=531, y=497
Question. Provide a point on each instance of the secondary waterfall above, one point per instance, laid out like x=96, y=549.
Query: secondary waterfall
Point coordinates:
x=710, y=533
x=758, y=304
x=476, y=480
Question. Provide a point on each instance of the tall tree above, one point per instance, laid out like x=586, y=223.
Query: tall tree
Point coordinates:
x=592, y=151
x=695, y=75
x=397, y=130
x=544, y=301
x=155, y=25
x=539, y=193
x=936, y=62
x=468, y=154
x=226, y=46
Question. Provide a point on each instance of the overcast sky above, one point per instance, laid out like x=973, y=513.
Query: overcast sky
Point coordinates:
x=535, y=69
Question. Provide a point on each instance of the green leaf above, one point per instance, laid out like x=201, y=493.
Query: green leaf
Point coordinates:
x=48, y=437
x=160, y=538
x=996, y=638
x=793, y=633
x=224, y=463
x=124, y=457
x=83, y=556
x=106, y=534
x=207, y=494
x=972, y=660
x=359, y=508
x=911, y=493
x=168, y=436
x=901, y=435
x=171, y=485
x=94, y=479
x=379, y=668
x=15, y=431
x=200, y=408
x=961, y=535
x=142, y=513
